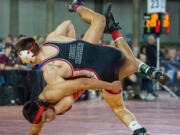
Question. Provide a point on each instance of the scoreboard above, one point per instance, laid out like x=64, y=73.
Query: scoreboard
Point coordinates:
x=157, y=23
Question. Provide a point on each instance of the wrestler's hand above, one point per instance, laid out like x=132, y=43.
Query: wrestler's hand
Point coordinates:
x=49, y=115
x=116, y=87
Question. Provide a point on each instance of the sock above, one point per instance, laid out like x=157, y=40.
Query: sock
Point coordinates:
x=116, y=35
x=134, y=125
x=143, y=67
x=78, y=5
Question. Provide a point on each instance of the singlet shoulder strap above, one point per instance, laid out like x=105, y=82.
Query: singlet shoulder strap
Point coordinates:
x=52, y=44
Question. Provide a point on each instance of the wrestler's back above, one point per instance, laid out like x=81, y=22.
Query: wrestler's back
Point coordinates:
x=79, y=58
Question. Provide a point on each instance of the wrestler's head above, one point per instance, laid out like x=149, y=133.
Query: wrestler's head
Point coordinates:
x=27, y=50
x=38, y=111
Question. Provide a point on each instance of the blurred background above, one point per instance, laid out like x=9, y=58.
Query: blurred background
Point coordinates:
x=37, y=18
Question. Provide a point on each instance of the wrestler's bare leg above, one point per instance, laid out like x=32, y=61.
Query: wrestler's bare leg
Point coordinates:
x=97, y=24
x=94, y=34
x=132, y=64
x=117, y=105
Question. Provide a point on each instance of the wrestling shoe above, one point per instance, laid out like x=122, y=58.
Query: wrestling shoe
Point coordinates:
x=111, y=24
x=141, y=131
x=74, y=5
x=158, y=75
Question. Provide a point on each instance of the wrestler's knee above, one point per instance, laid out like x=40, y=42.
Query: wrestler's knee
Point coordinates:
x=100, y=21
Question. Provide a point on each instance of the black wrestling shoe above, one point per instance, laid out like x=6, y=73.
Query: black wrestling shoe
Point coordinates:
x=111, y=24
x=158, y=75
x=71, y=7
x=141, y=131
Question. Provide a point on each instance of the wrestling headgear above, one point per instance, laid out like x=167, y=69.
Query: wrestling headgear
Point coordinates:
x=27, y=55
x=33, y=110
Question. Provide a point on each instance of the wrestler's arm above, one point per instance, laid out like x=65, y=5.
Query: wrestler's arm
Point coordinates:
x=66, y=29
x=54, y=92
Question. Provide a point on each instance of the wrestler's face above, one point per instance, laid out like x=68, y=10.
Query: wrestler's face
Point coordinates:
x=48, y=115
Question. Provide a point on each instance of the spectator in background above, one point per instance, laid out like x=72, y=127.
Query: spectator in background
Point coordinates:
x=8, y=60
x=171, y=54
x=131, y=86
x=164, y=52
x=151, y=51
x=146, y=85
x=7, y=39
x=177, y=57
x=143, y=49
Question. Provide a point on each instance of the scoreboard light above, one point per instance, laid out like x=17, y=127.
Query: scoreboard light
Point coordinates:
x=157, y=23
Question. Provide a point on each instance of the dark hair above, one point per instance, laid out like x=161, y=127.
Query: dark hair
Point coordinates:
x=31, y=108
x=26, y=44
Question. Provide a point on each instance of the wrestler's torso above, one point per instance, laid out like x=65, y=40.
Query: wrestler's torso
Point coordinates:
x=79, y=58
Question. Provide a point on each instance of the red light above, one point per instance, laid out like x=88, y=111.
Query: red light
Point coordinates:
x=167, y=29
x=157, y=29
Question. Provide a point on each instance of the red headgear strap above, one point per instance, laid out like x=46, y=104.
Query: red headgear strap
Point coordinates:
x=36, y=53
x=34, y=44
x=38, y=115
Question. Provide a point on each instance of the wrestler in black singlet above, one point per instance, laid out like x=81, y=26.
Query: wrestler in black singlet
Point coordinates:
x=102, y=62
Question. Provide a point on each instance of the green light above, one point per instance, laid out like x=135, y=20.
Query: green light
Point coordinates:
x=148, y=29
x=164, y=29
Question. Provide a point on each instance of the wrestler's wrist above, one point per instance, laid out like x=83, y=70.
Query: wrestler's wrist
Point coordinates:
x=110, y=87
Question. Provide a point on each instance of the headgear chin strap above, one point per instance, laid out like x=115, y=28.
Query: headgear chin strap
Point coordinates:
x=28, y=55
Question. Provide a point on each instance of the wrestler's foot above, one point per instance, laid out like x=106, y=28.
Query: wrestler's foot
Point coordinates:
x=111, y=24
x=141, y=131
x=74, y=5
x=158, y=75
